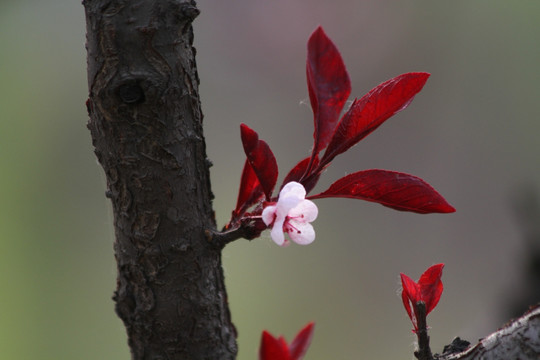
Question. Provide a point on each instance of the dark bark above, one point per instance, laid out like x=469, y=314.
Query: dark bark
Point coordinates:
x=146, y=126
x=424, y=351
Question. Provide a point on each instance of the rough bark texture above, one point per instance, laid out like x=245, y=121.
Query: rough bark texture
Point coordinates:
x=146, y=126
x=519, y=339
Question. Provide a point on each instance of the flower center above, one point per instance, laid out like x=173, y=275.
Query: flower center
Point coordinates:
x=291, y=228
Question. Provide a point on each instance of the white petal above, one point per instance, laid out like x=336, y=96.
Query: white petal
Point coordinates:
x=291, y=196
x=293, y=189
x=286, y=203
x=277, y=234
x=306, y=210
x=269, y=214
x=302, y=233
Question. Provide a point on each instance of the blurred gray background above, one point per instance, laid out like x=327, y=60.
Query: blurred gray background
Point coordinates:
x=472, y=133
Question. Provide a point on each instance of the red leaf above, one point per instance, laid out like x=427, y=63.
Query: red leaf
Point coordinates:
x=261, y=159
x=250, y=190
x=396, y=190
x=301, y=342
x=410, y=295
x=368, y=113
x=431, y=286
x=329, y=86
x=300, y=169
x=428, y=290
x=277, y=349
x=272, y=348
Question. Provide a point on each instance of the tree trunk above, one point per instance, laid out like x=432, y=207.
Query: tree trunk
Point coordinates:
x=146, y=126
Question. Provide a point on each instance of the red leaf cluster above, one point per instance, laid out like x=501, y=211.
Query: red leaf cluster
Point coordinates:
x=277, y=348
x=428, y=290
x=329, y=87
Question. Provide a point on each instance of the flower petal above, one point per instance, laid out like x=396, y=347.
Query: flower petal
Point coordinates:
x=269, y=214
x=290, y=196
x=279, y=215
x=277, y=231
x=300, y=232
x=286, y=203
x=293, y=189
x=305, y=211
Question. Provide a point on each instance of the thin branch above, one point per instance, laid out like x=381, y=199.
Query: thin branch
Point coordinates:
x=220, y=239
x=249, y=229
x=424, y=352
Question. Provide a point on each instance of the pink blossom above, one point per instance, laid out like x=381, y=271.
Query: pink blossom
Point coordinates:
x=291, y=214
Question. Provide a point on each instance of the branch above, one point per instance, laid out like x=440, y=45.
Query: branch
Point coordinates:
x=220, y=239
x=424, y=351
x=248, y=228
x=146, y=126
x=519, y=339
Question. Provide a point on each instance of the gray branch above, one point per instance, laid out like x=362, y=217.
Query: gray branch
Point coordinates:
x=519, y=339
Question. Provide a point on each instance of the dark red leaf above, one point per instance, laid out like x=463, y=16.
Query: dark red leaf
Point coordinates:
x=250, y=190
x=300, y=344
x=428, y=290
x=329, y=86
x=431, y=286
x=261, y=159
x=297, y=171
x=410, y=295
x=272, y=348
x=368, y=113
x=396, y=190
x=300, y=169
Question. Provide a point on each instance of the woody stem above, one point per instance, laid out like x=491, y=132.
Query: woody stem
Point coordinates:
x=423, y=352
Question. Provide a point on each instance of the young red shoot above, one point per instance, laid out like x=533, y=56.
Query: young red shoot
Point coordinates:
x=273, y=348
x=427, y=290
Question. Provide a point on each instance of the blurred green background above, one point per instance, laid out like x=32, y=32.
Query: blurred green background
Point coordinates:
x=473, y=133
